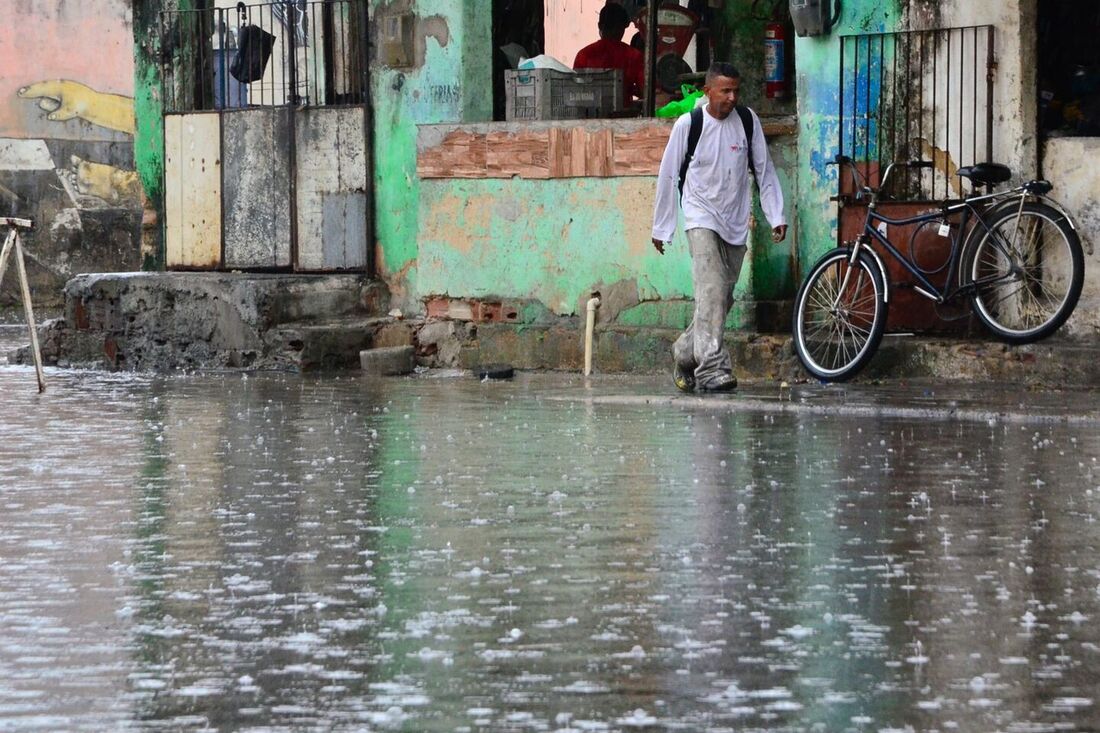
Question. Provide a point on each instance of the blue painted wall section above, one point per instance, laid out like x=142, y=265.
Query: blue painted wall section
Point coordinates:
x=819, y=119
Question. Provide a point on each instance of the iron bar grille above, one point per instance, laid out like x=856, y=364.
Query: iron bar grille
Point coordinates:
x=317, y=55
x=917, y=95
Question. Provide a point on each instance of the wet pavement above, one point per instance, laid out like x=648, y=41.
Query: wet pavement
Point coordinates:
x=277, y=552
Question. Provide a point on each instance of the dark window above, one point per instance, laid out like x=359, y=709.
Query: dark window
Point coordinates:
x=517, y=24
x=1069, y=68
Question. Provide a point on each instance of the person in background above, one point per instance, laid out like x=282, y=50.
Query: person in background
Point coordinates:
x=611, y=53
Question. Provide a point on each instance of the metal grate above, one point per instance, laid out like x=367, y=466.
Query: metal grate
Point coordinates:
x=918, y=95
x=316, y=56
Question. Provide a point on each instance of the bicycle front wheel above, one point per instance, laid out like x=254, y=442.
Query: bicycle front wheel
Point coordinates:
x=1027, y=269
x=839, y=315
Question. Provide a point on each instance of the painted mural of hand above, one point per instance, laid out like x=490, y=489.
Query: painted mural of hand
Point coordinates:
x=66, y=100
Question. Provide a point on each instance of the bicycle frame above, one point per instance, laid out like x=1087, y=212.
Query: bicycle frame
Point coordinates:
x=968, y=209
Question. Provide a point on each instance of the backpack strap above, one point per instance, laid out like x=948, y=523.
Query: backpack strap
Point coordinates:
x=694, y=132
x=746, y=121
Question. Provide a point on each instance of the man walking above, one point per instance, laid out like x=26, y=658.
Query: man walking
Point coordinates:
x=716, y=196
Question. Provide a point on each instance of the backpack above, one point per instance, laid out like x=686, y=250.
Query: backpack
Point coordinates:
x=696, y=130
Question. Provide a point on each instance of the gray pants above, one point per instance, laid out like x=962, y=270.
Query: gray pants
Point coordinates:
x=715, y=266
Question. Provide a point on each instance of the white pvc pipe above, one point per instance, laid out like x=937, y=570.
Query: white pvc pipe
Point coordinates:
x=589, y=327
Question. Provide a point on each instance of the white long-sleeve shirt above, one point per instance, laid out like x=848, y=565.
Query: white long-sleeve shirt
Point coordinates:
x=718, y=186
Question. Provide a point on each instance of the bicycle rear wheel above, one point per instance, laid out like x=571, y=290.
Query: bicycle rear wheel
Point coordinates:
x=1028, y=269
x=839, y=315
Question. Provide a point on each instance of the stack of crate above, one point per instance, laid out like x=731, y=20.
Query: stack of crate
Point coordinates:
x=547, y=94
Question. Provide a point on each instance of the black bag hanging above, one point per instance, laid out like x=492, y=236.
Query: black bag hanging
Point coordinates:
x=254, y=46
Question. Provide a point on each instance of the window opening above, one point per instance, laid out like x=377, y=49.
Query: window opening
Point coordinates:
x=1069, y=68
x=231, y=55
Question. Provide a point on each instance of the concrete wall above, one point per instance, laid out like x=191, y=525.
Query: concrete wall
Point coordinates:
x=1015, y=119
x=553, y=242
x=447, y=81
x=66, y=138
x=1070, y=163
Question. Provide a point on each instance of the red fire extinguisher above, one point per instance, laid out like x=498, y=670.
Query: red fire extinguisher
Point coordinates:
x=775, y=71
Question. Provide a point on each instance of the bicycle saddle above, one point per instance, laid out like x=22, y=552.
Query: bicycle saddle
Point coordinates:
x=987, y=173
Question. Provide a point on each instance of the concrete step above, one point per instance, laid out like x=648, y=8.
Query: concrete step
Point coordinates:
x=178, y=320
x=257, y=299
x=387, y=361
x=333, y=343
x=1057, y=362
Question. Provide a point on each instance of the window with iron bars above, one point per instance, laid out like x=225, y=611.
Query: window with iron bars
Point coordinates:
x=233, y=55
x=917, y=95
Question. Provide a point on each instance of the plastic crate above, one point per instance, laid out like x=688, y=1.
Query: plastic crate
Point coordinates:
x=546, y=94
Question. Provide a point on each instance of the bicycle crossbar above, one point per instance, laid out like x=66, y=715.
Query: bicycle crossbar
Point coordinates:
x=11, y=221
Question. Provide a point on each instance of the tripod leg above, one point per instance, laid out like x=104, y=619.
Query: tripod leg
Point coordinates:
x=5, y=252
x=24, y=285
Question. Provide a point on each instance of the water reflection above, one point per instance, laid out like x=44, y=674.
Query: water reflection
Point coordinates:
x=271, y=551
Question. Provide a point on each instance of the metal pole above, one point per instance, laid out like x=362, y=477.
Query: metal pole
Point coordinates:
x=990, y=71
x=292, y=53
x=649, y=103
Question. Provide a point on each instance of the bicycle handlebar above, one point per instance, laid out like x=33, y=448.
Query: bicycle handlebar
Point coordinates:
x=841, y=160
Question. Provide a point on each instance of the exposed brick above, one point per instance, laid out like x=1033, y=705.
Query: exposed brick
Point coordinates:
x=80, y=315
x=110, y=351
x=487, y=312
x=438, y=307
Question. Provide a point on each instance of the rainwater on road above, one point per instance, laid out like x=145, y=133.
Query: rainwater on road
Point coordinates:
x=279, y=552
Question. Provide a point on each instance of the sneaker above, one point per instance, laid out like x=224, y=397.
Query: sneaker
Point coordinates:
x=721, y=383
x=683, y=379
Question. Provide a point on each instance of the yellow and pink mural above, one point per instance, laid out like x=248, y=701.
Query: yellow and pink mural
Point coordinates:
x=67, y=131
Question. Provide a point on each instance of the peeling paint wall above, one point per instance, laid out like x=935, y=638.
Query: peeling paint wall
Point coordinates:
x=67, y=139
x=1071, y=163
x=449, y=81
x=818, y=104
x=1015, y=141
x=1015, y=119
x=556, y=241
x=818, y=121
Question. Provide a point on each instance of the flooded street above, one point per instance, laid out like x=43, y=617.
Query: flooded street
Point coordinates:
x=279, y=552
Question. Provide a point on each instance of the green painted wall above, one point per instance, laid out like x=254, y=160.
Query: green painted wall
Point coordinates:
x=149, y=135
x=818, y=107
x=450, y=82
x=556, y=241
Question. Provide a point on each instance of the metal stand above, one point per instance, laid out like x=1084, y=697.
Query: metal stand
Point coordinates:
x=14, y=241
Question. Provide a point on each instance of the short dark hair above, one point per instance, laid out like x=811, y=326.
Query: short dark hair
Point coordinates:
x=722, y=68
x=614, y=16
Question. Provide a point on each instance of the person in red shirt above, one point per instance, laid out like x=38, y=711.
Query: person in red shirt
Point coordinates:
x=611, y=53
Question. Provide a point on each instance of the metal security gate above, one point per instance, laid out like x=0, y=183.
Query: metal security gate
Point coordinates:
x=906, y=96
x=918, y=95
x=266, y=136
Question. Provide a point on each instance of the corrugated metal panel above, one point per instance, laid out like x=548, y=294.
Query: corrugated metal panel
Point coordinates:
x=257, y=188
x=192, y=201
x=332, y=189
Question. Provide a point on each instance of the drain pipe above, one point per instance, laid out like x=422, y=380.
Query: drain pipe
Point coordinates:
x=589, y=328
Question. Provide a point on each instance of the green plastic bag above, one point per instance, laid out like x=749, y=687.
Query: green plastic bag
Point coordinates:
x=681, y=106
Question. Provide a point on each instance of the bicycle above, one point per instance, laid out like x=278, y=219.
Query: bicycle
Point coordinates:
x=1015, y=255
